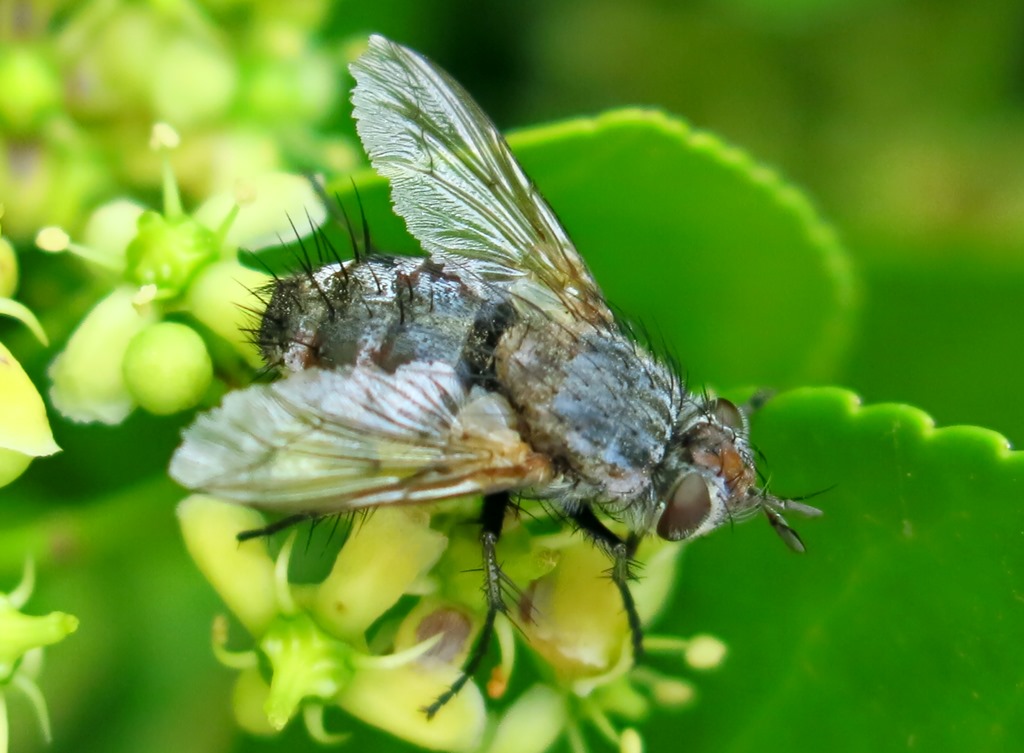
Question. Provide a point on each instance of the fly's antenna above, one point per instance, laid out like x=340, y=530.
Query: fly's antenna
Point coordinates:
x=774, y=507
x=757, y=401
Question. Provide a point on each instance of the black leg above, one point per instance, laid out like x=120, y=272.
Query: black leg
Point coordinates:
x=495, y=506
x=622, y=554
x=279, y=525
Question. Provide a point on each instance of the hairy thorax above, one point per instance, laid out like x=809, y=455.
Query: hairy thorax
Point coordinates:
x=599, y=405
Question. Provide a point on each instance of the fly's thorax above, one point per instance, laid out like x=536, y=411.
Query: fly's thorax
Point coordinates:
x=594, y=401
x=385, y=311
x=709, y=475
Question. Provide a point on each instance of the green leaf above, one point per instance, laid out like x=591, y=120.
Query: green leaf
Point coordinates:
x=940, y=332
x=901, y=628
x=725, y=261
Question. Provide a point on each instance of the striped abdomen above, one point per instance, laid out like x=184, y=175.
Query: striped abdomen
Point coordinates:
x=383, y=310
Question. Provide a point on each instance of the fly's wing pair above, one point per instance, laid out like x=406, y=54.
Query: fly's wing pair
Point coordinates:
x=323, y=441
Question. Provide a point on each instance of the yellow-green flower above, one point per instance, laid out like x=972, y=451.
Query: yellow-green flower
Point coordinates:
x=171, y=265
x=392, y=623
x=24, y=429
x=22, y=638
x=315, y=640
x=83, y=82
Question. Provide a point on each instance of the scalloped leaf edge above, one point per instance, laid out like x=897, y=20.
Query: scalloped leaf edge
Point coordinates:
x=788, y=197
x=852, y=408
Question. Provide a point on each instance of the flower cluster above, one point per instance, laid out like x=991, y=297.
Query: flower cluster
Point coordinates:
x=389, y=628
x=177, y=291
x=248, y=85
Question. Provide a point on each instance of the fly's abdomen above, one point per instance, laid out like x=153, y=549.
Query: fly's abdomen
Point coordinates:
x=387, y=311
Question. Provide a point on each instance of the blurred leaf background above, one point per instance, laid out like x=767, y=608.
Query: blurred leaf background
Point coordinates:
x=905, y=123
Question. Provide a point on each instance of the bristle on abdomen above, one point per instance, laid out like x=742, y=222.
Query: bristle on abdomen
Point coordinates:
x=383, y=310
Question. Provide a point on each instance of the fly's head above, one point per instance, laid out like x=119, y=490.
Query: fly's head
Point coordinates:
x=709, y=478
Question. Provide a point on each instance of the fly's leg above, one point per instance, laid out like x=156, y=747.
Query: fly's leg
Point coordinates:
x=280, y=525
x=495, y=506
x=622, y=556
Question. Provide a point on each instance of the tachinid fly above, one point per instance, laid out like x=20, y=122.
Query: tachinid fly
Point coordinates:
x=491, y=366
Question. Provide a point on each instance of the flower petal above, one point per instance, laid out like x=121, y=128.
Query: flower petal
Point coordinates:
x=532, y=724
x=242, y=573
x=221, y=297
x=386, y=553
x=8, y=267
x=24, y=427
x=88, y=381
x=576, y=620
x=393, y=700
x=262, y=220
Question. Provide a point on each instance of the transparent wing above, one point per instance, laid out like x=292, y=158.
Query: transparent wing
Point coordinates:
x=455, y=181
x=324, y=441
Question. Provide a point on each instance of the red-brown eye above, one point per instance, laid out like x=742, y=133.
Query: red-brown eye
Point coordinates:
x=688, y=508
x=728, y=414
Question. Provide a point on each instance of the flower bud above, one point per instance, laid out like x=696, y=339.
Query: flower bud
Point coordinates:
x=167, y=368
x=222, y=298
x=193, y=82
x=263, y=212
x=168, y=252
x=46, y=183
x=302, y=89
x=31, y=87
x=112, y=226
x=88, y=378
x=215, y=160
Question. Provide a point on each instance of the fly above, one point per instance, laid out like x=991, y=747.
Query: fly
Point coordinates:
x=493, y=366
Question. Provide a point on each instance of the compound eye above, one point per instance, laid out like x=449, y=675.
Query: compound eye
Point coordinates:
x=728, y=414
x=689, y=506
